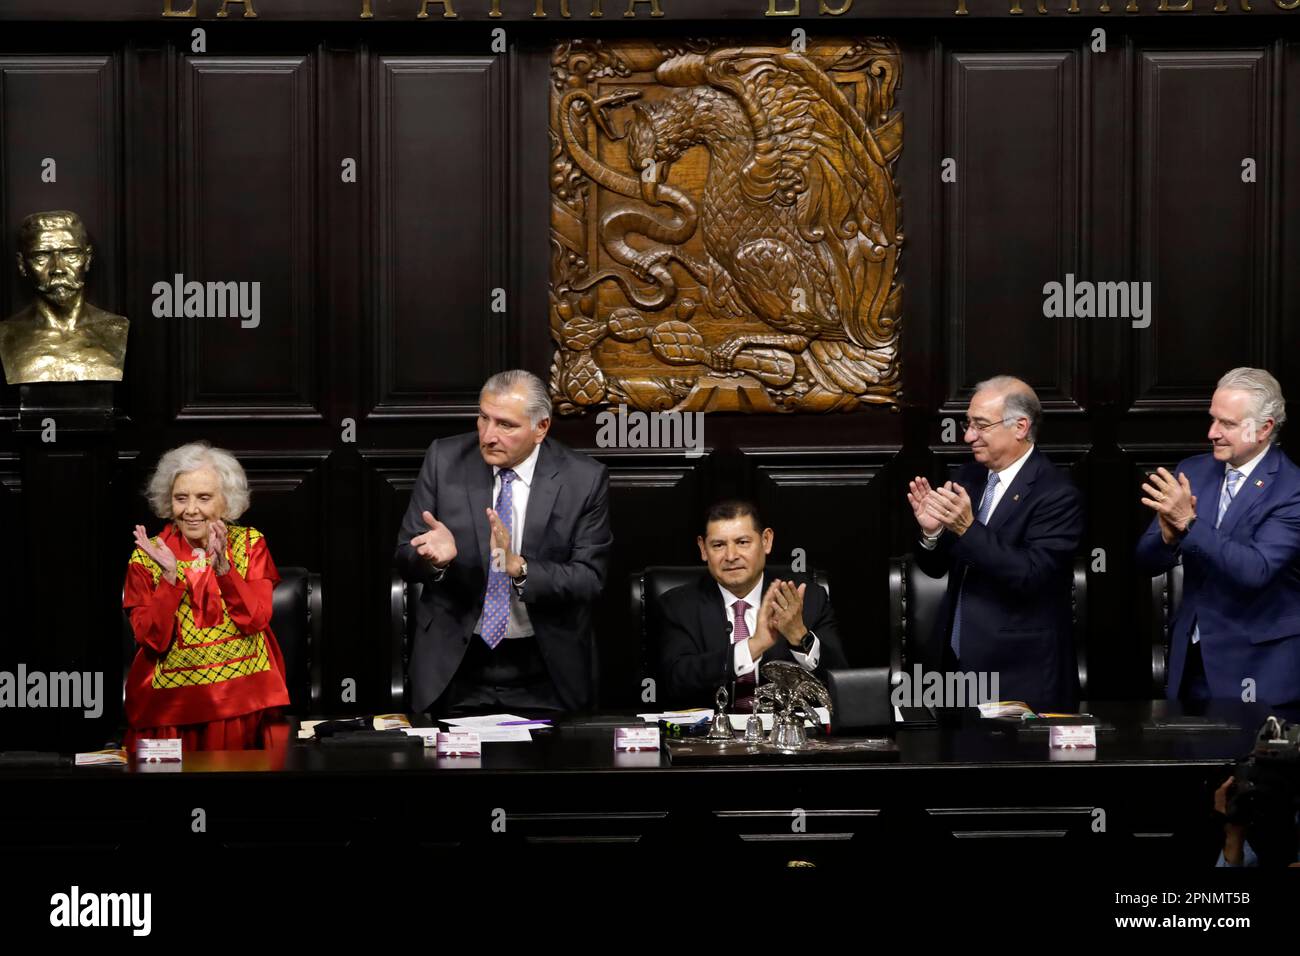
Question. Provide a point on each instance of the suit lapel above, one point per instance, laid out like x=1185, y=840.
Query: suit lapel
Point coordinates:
x=713, y=614
x=1015, y=493
x=478, y=491
x=541, y=499
x=1251, y=492
x=1206, y=490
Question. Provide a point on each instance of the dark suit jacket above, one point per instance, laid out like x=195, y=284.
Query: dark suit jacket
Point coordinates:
x=689, y=628
x=1017, y=570
x=566, y=543
x=1241, y=581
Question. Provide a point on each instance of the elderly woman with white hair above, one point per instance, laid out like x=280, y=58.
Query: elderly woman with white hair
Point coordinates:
x=208, y=669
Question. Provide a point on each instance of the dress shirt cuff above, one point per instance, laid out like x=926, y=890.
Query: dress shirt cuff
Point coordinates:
x=930, y=543
x=809, y=661
x=438, y=573
x=743, y=661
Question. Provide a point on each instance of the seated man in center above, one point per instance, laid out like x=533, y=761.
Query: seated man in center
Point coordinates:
x=721, y=628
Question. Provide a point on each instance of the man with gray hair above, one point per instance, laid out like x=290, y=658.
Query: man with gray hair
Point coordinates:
x=1232, y=518
x=1008, y=561
x=509, y=532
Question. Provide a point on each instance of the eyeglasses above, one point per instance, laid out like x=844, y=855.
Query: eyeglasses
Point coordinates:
x=982, y=427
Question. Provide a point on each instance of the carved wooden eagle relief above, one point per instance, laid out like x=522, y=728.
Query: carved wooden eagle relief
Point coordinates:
x=725, y=226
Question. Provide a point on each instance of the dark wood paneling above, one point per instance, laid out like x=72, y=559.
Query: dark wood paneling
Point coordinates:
x=439, y=240
x=247, y=150
x=63, y=108
x=376, y=295
x=656, y=503
x=1013, y=125
x=836, y=505
x=1204, y=236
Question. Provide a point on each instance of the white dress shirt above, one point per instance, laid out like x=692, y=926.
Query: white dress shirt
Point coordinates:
x=744, y=662
x=519, y=624
x=1245, y=470
x=1005, y=477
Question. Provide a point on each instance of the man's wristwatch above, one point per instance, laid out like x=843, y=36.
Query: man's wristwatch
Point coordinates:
x=806, y=645
x=1190, y=521
x=523, y=574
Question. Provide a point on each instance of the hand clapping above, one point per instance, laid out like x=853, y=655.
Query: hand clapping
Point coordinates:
x=936, y=509
x=216, y=550
x=1172, y=501
x=918, y=493
x=786, y=610
x=160, y=553
x=512, y=564
x=437, y=545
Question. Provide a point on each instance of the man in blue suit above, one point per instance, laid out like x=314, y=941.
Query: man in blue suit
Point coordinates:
x=1005, y=533
x=1233, y=518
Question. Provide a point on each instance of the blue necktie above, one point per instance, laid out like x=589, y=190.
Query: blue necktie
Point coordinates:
x=1225, y=498
x=496, y=602
x=986, y=505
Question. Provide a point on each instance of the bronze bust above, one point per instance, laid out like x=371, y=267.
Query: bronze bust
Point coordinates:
x=60, y=337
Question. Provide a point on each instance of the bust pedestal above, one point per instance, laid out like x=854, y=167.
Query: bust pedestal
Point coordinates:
x=73, y=406
x=65, y=617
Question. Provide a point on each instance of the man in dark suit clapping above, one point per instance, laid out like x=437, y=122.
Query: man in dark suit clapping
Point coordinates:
x=509, y=531
x=1005, y=532
x=722, y=627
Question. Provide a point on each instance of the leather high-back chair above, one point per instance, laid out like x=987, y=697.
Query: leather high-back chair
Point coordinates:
x=1166, y=595
x=296, y=619
x=915, y=600
x=403, y=599
x=649, y=586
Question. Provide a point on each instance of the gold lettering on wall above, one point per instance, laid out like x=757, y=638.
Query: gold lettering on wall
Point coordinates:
x=1166, y=8
x=1287, y=4
x=827, y=10
x=961, y=10
x=654, y=8
x=249, y=11
x=169, y=12
x=366, y=12
x=539, y=10
x=772, y=11
x=448, y=13
x=1015, y=7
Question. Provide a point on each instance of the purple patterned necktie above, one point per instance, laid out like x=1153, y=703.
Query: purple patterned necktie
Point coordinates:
x=496, y=602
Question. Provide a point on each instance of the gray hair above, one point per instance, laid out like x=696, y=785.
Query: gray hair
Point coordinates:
x=1018, y=400
x=536, y=402
x=192, y=457
x=1265, y=392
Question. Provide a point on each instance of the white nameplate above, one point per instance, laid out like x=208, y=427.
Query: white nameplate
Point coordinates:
x=158, y=751
x=459, y=744
x=1071, y=736
x=428, y=734
x=636, y=738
